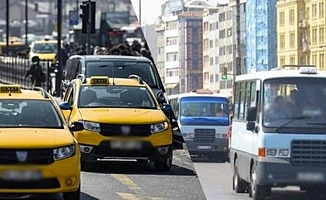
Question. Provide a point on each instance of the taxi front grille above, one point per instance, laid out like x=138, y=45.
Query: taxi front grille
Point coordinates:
x=205, y=135
x=49, y=183
x=308, y=152
x=33, y=156
x=125, y=130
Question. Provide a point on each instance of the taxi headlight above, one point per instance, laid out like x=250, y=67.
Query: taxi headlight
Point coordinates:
x=63, y=152
x=155, y=128
x=92, y=126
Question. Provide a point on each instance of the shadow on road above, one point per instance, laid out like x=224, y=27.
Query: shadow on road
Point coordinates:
x=133, y=167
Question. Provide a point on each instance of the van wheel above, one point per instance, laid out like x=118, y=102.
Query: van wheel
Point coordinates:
x=72, y=195
x=239, y=185
x=164, y=165
x=257, y=192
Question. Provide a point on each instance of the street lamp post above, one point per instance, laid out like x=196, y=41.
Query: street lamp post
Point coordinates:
x=26, y=23
x=139, y=13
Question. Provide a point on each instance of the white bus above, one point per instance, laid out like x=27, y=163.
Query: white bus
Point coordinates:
x=279, y=131
x=203, y=119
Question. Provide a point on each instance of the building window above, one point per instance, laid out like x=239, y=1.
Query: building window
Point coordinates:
x=211, y=78
x=282, y=41
x=321, y=10
x=216, y=60
x=222, y=34
x=308, y=13
x=314, y=10
x=322, y=61
x=292, y=40
x=216, y=42
x=292, y=60
x=221, y=17
x=211, y=61
x=321, y=35
x=282, y=60
x=211, y=44
x=282, y=19
x=314, y=36
x=314, y=59
x=291, y=16
x=222, y=51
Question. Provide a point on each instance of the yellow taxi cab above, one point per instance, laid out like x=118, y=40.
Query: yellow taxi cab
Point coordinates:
x=122, y=120
x=38, y=152
x=45, y=49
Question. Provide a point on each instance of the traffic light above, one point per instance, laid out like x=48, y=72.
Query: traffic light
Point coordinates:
x=88, y=16
x=224, y=73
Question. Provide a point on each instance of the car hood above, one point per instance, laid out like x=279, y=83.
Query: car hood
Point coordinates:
x=122, y=115
x=34, y=138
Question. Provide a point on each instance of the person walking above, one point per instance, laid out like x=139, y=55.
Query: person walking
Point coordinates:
x=36, y=73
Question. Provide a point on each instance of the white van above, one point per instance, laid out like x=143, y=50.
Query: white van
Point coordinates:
x=278, y=131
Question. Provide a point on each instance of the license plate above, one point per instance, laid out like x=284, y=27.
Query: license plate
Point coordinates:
x=204, y=147
x=126, y=145
x=313, y=177
x=24, y=175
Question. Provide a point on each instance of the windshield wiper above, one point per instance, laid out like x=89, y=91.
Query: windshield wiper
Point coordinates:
x=290, y=120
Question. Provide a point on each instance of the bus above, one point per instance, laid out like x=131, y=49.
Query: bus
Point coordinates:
x=203, y=120
x=278, y=131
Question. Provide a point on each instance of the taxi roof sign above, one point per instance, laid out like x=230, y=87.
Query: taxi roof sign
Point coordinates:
x=308, y=70
x=99, y=80
x=10, y=89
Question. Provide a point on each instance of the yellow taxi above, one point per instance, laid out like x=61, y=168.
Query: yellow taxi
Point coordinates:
x=122, y=120
x=45, y=49
x=38, y=152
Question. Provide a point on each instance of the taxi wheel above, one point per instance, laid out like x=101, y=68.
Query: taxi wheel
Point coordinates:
x=72, y=195
x=164, y=165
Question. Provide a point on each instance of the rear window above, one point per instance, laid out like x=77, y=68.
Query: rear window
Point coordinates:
x=122, y=69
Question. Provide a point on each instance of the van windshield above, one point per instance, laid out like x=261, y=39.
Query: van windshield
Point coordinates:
x=295, y=104
x=122, y=69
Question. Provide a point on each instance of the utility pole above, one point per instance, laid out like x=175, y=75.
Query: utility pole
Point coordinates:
x=59, y=64
x=89, y=28
x=7, y=27
x=139, y=13
x=238, y=40
x=26, y=24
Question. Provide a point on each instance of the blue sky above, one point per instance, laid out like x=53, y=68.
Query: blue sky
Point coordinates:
x=151, y=9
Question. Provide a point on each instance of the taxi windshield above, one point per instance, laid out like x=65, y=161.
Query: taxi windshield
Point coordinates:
x=15, y=113
x=116, y=96
x=45, y=48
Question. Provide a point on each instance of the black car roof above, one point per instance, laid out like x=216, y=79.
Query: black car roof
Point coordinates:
x=111, y=57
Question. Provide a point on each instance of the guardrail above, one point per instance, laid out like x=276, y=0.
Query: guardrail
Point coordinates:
x=13, y=70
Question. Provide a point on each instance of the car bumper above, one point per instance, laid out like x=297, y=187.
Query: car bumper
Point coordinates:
x=57, y=177
x=284, y=174
x=218, y=145
x=105, y=151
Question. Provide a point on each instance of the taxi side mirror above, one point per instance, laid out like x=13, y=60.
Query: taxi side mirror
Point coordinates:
x=65, y=106
x=76, y=126
x=167, y=108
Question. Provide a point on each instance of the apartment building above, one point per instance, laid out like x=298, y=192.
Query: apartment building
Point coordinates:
x=211, y=71
x=183, y=34
x=316, y=18
x=292, y=33
x=301, y=32
x=160, y=49
x=261, y=48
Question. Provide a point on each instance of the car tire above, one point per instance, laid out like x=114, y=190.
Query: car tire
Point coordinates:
x=257, y=192
x=164, y=165
x=239, y=185
x=72, y=195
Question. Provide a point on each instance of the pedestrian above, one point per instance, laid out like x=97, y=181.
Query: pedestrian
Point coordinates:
x=36, y=73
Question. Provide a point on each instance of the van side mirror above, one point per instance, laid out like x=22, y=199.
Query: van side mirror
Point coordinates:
x=250, y=126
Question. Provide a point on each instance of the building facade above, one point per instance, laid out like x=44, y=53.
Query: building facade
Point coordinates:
x=301, y=32
x=292, y=33
x=261, y=48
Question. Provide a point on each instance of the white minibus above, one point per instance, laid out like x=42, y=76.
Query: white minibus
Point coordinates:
x=279, y=131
